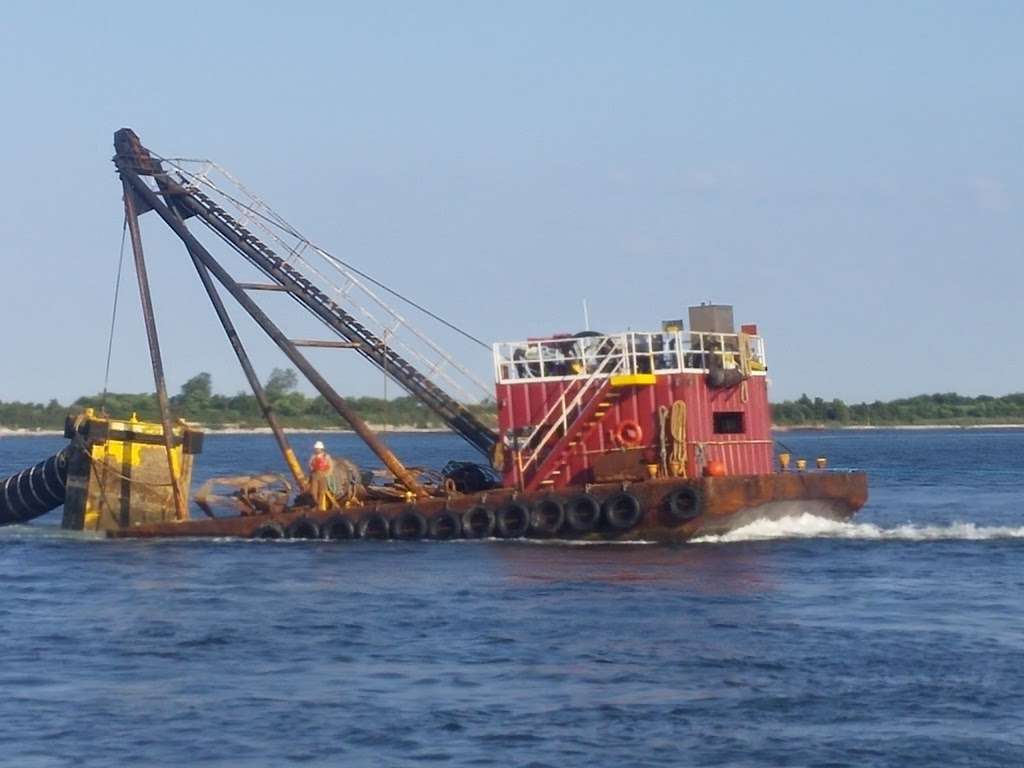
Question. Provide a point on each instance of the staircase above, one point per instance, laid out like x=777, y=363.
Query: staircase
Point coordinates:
x=567, y=423
x=558, y=457
x=368, y=344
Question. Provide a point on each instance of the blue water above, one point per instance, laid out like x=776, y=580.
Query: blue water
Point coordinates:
x=894, y=640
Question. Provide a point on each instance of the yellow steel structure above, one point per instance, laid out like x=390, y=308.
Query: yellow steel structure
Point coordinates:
x=122, y=477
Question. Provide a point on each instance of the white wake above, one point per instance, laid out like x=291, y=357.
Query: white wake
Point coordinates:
x=812, y=527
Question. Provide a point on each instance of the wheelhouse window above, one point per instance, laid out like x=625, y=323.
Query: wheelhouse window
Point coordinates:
x=729, y=423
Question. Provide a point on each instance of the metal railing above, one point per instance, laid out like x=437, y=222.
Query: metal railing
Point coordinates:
x=565, y=410
x=570, y=357
x=346, y=286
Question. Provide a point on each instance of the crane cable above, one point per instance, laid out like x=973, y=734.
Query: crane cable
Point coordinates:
x=113, y=314
x=284, y=226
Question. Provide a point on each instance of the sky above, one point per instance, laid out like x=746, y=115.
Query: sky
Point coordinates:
x=849, y=175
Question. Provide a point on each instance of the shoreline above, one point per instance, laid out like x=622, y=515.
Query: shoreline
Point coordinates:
x=899, y=427
x=380, y=429
x=392, y=429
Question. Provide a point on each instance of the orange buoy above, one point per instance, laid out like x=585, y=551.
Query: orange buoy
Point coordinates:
x=715, y=468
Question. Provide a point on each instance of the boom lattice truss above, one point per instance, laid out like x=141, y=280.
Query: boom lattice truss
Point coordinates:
x=345, y=300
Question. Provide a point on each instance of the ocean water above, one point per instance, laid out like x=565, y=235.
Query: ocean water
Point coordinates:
x=894, y=640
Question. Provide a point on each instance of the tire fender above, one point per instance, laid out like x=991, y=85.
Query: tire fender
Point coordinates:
x=269, y=531
x=512, y=520
x=445, y=526
x=477, y=522
x=582, y=513
x=622, y=511
x=303, y=528
x=683, y=504
x=409, y=525
x=338, y=528
x=548, y=516
x=373, y=526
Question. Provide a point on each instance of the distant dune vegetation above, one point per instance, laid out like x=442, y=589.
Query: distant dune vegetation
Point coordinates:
x=949, y=408
x=196, y=402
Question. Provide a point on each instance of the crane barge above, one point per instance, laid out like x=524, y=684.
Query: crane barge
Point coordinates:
x=657, y=436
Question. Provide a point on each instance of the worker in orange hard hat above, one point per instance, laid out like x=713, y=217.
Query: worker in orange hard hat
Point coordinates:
x=321, y=467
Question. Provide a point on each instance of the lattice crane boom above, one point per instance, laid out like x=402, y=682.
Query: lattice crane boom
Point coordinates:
x=188, y=200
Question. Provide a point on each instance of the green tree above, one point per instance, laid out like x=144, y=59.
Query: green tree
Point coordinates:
x=837, y=410
x=280, y=382
x=196, y=393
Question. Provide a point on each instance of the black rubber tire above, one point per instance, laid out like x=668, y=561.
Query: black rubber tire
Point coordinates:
x=582, y=513
x=512, y=520
x=303, y=528
x=269, y=531
x=683, y=504
x=338, y=528
x=548, y=516
x=373, y=526
x=477, y=522
x=445, y=526
x=409, y=525
x=622, y=511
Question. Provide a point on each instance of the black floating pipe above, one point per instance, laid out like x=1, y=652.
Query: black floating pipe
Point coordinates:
x=34, y=491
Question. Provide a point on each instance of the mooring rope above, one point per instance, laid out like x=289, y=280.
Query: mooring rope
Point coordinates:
x=663, y=439
x=677, y=428
x=744, y=366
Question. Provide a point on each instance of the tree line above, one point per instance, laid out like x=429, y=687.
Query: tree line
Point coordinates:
x=197, y=402
x=943, y=408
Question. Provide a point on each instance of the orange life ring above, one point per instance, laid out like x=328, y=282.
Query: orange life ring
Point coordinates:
x=629, y=433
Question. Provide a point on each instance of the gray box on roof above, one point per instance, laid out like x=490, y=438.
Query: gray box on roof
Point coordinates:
x=712, y=318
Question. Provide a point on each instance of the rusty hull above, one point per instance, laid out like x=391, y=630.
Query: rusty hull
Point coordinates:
x=727, y=503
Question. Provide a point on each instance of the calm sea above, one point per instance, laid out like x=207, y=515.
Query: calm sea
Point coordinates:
x=891, y=641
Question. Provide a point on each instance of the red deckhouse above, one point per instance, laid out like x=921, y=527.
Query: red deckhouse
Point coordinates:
x=680, y=402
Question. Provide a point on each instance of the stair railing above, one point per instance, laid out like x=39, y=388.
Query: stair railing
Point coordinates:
x=558, y=415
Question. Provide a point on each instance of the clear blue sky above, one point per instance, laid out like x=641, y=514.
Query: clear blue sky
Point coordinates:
x=849, y=175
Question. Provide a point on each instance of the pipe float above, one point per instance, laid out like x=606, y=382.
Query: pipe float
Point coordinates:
x=34, y=491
